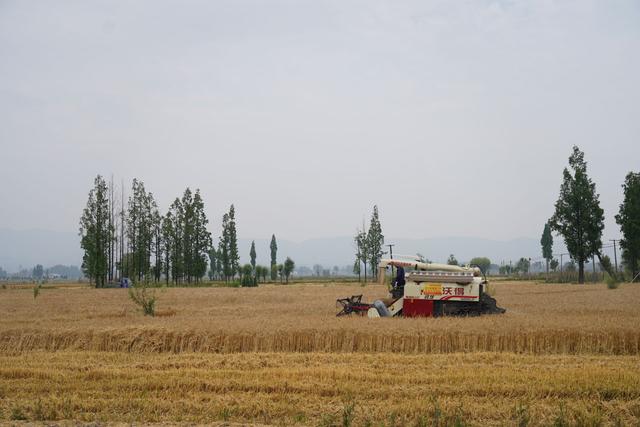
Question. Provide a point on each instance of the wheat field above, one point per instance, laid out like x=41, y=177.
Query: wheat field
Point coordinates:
x=561, y=355
x=540, y=319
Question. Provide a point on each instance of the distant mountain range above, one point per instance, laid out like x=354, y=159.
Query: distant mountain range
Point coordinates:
x=24, y=249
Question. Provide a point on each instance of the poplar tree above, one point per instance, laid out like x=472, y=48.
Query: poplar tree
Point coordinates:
x=201, y=239
x=213, y=262
x=234, y=256
x=173, y=230
x=188, y=234
x=546, y=241
x=95, y=233
x=274, y=255
x=223, y=248
x=628, y=218
x=156, y=225
x=168, y=243
x=375, y=242
x=362, y=254
x=578, y=216
x=142, y=209
x=252, y=255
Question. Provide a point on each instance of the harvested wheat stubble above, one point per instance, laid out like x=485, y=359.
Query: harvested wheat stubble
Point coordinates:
x=541, y=319
x=483, y=389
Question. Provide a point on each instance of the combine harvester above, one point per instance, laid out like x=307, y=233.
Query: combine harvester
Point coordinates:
x=427, y=290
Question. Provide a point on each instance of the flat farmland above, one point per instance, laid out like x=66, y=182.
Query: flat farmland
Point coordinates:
x=278, y=355
x=540, y=319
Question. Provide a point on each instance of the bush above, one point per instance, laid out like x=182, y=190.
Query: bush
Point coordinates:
x=17, y=414
x=612, y=282
x=348, y=414
x=521, y=415
x=144, y=298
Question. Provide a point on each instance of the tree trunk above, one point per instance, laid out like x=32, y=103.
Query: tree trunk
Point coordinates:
x=365, y=272
x=581, y=271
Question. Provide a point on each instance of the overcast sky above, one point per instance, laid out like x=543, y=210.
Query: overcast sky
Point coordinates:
x=456, y=118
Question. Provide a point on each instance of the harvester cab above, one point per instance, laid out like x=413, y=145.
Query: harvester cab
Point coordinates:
x=422, y=289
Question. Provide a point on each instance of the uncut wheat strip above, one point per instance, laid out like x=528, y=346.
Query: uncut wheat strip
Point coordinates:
x=140, y=340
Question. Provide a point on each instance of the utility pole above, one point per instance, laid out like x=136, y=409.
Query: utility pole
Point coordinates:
x=391, y=256
x=391, y=250
x=561, y=266
x=615, y=255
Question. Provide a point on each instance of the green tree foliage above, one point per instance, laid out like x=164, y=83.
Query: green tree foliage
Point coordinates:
x=234, y=255
x=546, y=241
x=142, y=211
x=252, y=255
x=554, y=264
x=144, y=298
x=95, y=233
x=172, y=232
x=223, y=249
x=578, y=216
x=522, y=266
x=200, y=242
x=262, y=272
x=628, y=218
x=186, y=241
x=126, y=265
x=247, y=277
x=157, y=242
x=483, y=262
x=176, y=245
x=356, y=266
x=375, y=242
x=288, y=268
x=505, y=269
x=362, y=251
x=452, y=260
x=38, y=272
x=228, y=246
x=213, y=263
x=274, y=256
x=280, y=269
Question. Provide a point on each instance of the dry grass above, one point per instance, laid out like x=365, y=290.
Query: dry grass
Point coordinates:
x=313, y=389
x=541, y=319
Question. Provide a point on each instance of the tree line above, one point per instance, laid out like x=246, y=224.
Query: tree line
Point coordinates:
x=579, y=219
x=138, y=242
x=369, y=244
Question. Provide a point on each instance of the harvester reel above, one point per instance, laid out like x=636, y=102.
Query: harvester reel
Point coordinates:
x=351, y=305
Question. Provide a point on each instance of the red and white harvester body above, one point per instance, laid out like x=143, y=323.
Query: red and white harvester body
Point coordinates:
x=426, y=289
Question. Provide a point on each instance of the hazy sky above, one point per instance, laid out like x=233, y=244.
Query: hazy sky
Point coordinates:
x=456, y=118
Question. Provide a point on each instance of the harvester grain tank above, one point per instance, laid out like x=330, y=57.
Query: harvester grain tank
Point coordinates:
x=427, y=289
